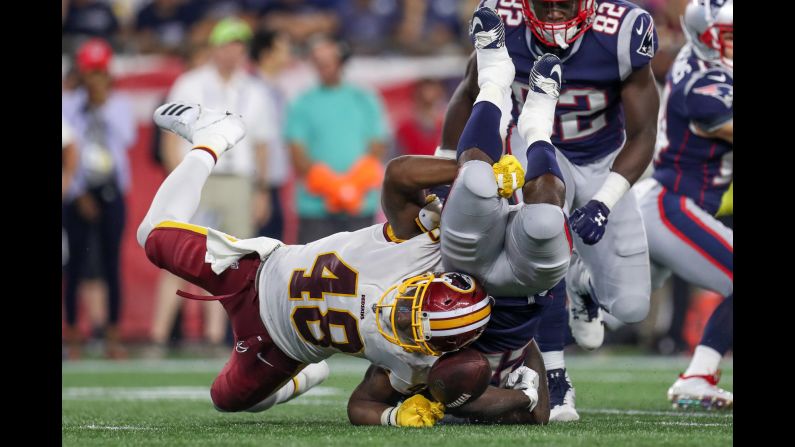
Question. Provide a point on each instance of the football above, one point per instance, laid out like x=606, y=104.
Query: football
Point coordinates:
x=459, y=377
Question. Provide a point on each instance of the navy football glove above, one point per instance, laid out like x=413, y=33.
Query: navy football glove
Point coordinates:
x=590, y=221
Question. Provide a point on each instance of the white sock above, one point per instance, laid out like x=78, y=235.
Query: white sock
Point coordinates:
x=283, y=394
x=211, y=140
x=500, y=97
x=705, y=361
x=495, y=65
x=537, y=118
x=553, y=360
x=178, y=197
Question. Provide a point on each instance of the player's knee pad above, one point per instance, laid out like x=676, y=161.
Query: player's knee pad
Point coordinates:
x=224, y=400
x=543, y=221
x=478, y=178
x=631, y=307
x=222, y=405
x=545, y=244
x=541, y=159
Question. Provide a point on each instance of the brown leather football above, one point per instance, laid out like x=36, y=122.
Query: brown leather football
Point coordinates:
x=459, y=377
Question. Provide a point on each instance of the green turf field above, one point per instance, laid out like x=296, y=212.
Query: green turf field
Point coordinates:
x=621, y=400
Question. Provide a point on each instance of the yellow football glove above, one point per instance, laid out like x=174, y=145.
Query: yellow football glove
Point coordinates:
x=417, y=411
x=727, y=202
x=509, y=175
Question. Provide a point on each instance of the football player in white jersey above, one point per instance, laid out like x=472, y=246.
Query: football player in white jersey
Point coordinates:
x=367, y=293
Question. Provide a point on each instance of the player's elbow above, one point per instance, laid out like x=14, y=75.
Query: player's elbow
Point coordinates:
x=357, y=414
x=542, y=415
x=631, y=308
x=397, y=174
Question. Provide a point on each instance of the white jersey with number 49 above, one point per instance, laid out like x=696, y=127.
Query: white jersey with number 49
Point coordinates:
x=318, y=299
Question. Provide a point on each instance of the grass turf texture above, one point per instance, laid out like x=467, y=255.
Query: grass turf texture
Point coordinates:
x=621, y=400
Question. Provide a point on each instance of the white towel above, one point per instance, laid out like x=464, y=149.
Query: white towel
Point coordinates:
x=224, y=251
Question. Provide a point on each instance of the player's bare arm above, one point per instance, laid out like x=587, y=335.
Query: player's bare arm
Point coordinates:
x=372, y=397
x=460, y=106
x=641, y=103
x=404, y=181
x=509, y=406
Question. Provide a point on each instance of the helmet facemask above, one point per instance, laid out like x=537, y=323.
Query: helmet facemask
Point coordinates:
x=399, y=316
x=725, y=44
x=558, y=23
x=449, y=316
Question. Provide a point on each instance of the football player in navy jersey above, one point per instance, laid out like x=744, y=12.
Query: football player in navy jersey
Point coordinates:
x=604, y=132
x=692, y=171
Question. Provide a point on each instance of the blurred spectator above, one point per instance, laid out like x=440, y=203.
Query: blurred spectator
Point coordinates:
x=163, y=26
x=336, y=133
x=429, y=27
x=69, y=161
x=666, y=14
x=85, y=19
x=299, y=18
x=421, y=132
x=368, y=24
x=226, y=202
x=219, y=9
x=69, y=157
x=271, y=53
x=104, y=130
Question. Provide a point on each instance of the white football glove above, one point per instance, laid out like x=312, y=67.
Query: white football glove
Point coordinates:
x=431, y=214
x=526, y=380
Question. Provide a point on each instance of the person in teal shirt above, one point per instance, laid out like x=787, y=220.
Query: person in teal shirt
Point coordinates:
x=337, y=135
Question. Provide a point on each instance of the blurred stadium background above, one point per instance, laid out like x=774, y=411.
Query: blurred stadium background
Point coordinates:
x=411, y=53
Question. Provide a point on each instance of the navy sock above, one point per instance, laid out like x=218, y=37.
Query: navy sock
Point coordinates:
x=482, y=131
x=719, y=333
x=554, y=325
x=541, y=160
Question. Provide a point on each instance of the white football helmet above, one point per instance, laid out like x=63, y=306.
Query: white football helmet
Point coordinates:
x=724, y=23
x=698, y=22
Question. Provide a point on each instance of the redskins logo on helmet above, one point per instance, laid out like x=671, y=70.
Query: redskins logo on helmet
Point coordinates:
x=433, y=313
x=557, y=23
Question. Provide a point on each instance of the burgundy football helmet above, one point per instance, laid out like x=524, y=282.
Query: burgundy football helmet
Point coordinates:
x=434, y=313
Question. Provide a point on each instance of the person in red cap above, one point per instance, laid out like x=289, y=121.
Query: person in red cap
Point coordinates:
x=94, y=211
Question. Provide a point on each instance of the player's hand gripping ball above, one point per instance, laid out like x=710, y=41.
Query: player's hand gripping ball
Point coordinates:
x=525, y=380
x=459, y=377
x=418, y=411
x=509, y=175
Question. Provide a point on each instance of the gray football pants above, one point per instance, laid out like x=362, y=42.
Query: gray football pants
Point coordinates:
x=515, y=250
x=619, y=262
x=698, y=257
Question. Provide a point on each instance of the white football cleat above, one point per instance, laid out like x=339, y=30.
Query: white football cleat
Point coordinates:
x=313, y=375
x=700, y=392
x=561, y=397
x=206, y=128
x=585, y=316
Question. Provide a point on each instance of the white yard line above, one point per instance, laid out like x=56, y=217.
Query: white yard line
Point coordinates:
x=345, y=364
x=164, y=393
x=656, y=413
x=687, y=424
x=115, y=427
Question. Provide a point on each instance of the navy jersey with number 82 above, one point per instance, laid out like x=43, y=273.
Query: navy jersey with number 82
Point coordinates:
x=589, y=118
